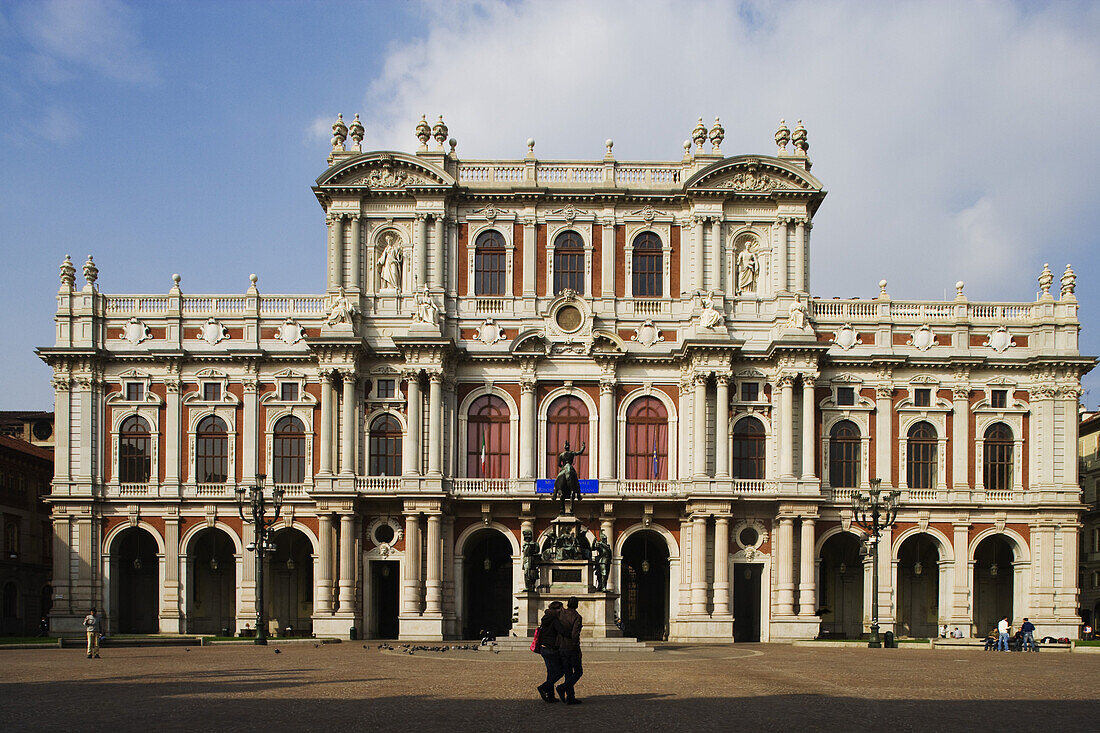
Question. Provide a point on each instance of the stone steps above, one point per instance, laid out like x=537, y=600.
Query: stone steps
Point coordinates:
x=603, y=644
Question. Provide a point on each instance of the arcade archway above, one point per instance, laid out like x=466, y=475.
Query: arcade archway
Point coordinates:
x=644, y=578
x=840, y=588
x=487, y=564
x=993, y=582
x=289, y=580
x=134, y=576
x=918, y=587
x=212, y=583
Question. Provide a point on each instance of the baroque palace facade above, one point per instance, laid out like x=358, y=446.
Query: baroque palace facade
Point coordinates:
x=478, y=314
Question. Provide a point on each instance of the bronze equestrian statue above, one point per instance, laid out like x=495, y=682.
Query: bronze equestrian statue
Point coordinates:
x=567, y=485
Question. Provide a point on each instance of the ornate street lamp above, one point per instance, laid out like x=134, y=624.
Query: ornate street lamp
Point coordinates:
x=258, y=510
x=875, y=511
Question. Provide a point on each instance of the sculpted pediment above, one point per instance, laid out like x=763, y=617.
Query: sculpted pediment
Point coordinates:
x=753, y=174
x=384, y=172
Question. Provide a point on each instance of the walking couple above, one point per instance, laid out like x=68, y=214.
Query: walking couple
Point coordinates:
x=558, y=640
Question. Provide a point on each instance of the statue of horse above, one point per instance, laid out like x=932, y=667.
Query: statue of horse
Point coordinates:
x=567, y=485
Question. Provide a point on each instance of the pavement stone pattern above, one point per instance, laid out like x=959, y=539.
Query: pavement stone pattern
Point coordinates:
x=356, y=686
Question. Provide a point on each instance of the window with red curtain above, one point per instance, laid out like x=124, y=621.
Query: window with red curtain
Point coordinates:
x=567, y=419
x=646, y=439
x=487, y=438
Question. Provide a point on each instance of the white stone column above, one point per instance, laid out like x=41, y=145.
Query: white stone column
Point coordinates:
x=1071, y=396
x=324, y=566
x=699, y=565
x=715, y=254
x=435, y=272
x=83, y=394
x=699, y=436
x=250, y=431
x=355, y=252
x=410, y=446
x=170, y=593
x=960, y=437
x=527, y=429
x=799, y=257
x=700, y=267
x=62, y=566
x=607, y=257
x=722, y=421
x=411, y=581
x=325, y=467
x=62, y=448
x=347, y=564
x=530, y=254
x=435, y=424
x=434, y=587
x=246, y=601
x=959, y=608
x=607, y=419
x=172, y=431
x=721, y=565
x=449, y=572
x=784, y=558
x=884, y=432
x=781, y=283
x=336, y=260
x=786, y=432
x=809, y=422
x=420, y=251
x=807, y=586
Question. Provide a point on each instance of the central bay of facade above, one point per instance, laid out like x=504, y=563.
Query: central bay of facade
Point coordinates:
x=481, y=313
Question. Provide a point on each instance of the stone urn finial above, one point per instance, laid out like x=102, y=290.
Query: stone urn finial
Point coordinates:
x=782, y=137
x=68, y=273
x=339, y=133
x=1069, y=284
x=717, y=135
x=355, y=131
x=799, y=139
x=423, y=132
x=1046, y=279
x=439, y=132
x=91, y=272
x=699, y=135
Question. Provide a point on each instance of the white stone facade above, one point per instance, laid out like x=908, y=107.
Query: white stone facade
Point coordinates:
x=681, y=283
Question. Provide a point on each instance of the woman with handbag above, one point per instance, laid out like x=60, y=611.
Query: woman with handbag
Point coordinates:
x=546, y=644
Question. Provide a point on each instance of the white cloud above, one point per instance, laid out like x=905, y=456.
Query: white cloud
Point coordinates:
x=74, y=36
x=953, y=137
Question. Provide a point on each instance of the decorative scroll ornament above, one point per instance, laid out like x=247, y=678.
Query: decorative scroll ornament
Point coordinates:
x=846, y=337
x=647, y=334
x=290, y=332
x=648, y=213
x=490, y=333
x=1000, y=340
x=923, y=338
x=213, y=332
x=570, y=212
x=135, y=332
x=490, y=212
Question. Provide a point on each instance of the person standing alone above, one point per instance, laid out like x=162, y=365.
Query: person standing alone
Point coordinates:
x=569, y=647
x=92, y=627
x=1028, y=630
x=1002, y=635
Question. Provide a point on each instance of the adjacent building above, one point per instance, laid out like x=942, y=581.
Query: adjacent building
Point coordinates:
x=477, y=315
x=26, y=471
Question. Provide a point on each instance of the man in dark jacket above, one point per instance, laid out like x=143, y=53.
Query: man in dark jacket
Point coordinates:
x=569, y=647
x=547, y=646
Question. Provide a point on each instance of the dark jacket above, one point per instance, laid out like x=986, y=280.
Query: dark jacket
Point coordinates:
x=548, y=631
x=569, y=630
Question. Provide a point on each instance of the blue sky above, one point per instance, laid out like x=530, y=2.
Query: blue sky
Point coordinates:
x=955, y=139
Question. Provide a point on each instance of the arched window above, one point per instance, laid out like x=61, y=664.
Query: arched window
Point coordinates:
x=567, y=419
x=211, y=451
x=921, y=456
x=844, y=455
x=11, y=538
x=569, y=263
x=647, y=266
x=646, y=439
x=487, y=438
x=288, y=451
x=490, y=264
x=748, y=449
x=385, y=447
x=134, y=451
x=998, y=457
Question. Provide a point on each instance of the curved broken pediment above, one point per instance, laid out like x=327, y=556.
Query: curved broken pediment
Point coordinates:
x=753, y=174
x=384, y=170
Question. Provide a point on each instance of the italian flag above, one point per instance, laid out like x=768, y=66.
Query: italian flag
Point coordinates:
x=484, y=458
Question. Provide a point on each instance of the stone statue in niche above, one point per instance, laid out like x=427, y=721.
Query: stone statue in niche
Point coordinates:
x=530, y=553
x=341, y=310
x=748, y=269
x=710, y=317
x=426, y=310
x=389, y=262
x=601, y=561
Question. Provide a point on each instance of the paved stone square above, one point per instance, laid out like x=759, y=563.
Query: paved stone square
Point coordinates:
x=351, y=687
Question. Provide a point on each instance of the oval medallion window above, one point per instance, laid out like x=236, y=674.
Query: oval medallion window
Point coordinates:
x=569, y=318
